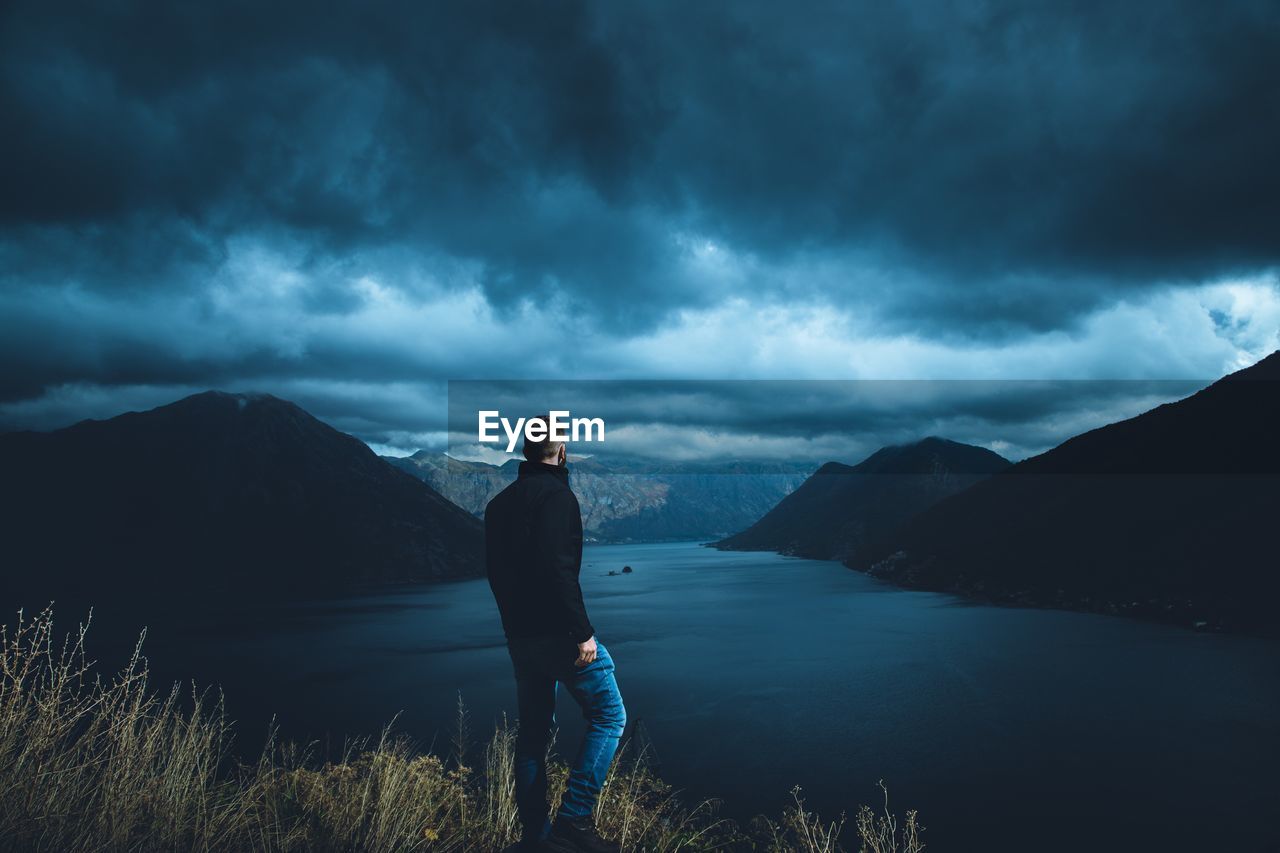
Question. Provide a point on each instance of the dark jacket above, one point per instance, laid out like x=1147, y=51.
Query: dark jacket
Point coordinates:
x=533, y=548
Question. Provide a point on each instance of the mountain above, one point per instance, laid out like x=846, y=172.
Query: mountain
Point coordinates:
x=845, y=511
x=631, y=500
x=220, y=495
x=470, y=485
x=1170, y=515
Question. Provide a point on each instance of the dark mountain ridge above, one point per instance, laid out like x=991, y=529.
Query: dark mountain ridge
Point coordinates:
x=1168, y=515
x=630, y=499
x=844, y=511
x=218, y=495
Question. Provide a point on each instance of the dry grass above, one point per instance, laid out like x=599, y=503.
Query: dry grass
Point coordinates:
x=108, y=764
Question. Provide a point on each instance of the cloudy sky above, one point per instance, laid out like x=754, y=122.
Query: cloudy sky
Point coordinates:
x=350, y=205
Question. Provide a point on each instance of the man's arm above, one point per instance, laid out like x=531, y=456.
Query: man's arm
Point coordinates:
x=560, y=531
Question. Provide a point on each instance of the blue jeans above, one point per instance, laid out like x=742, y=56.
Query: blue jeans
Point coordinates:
x=541, y=665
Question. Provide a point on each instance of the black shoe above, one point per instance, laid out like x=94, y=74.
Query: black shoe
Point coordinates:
x=578, y=836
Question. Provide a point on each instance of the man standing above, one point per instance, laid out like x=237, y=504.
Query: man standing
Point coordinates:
x=533, y=547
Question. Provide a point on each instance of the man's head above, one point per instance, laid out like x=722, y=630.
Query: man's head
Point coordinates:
x=545, y=451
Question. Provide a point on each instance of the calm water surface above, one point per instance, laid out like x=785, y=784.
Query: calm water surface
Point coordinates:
x=751, y=673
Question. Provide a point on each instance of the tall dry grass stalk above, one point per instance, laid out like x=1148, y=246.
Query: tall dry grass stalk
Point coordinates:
x=880, y=833
x=107, y=764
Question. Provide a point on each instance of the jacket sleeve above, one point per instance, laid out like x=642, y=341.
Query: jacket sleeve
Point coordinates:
x=560, y=528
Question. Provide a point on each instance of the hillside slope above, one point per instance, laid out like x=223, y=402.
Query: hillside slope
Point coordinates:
x=1170, y=515
x=845, y=511
x=225, y=495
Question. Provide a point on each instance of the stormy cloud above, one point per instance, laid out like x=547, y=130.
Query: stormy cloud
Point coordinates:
x=351, y=205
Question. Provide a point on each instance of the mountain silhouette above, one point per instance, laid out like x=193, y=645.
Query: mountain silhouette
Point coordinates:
x=1168, y=515
x=845, y=511
x=218, y=496
x=629, y=499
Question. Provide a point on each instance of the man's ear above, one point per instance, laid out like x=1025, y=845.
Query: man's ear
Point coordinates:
x=562, y=458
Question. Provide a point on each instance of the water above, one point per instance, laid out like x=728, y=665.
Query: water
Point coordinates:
x=1009, y=729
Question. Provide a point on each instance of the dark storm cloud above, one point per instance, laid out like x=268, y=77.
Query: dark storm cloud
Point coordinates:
x=196, y=195
x=504, y=134
x=1022, y=142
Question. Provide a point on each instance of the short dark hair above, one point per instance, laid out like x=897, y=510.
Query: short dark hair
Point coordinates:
x=539, y=451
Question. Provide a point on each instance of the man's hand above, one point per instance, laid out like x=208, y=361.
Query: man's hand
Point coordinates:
x=586, y=652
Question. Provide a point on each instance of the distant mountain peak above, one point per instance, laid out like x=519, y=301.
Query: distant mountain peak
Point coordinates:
x=921, y=456
x=842, y=510
x=632, y=498
x=1169, y=514
x=218, y=396
x=222, y=404
x=223, y=490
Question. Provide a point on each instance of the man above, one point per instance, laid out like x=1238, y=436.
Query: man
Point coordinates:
x=533, y=539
